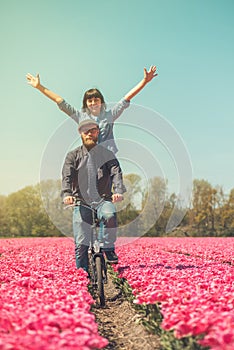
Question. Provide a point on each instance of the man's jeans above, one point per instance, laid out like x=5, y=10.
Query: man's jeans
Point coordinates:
x=82, y=221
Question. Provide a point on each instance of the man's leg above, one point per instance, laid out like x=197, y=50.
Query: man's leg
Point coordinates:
x=107, y=213
x=82, y=220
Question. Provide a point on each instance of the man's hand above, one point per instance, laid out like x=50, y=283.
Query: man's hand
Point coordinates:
x=117, y=197
x=33, y=81
x=150, y=74
x=68, y=200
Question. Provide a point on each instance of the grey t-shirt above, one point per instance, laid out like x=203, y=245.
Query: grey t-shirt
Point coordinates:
x=106, y=120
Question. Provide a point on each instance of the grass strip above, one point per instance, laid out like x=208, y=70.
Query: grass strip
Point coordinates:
x=150, y=316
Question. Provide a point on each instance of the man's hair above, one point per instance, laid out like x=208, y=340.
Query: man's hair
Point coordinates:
x=92, y=93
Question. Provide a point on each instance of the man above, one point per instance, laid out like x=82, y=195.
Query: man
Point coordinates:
x=90, y=174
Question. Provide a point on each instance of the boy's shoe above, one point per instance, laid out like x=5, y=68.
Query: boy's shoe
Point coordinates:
x=111, y=257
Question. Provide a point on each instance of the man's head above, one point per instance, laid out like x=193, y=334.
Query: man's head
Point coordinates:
x=89, y=131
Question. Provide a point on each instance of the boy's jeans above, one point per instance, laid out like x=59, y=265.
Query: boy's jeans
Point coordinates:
x=82, y=221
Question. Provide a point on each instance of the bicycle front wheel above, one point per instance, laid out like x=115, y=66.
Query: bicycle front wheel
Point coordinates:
x=100, y=280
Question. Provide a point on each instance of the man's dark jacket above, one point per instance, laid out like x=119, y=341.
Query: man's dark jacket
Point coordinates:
x=75, y=174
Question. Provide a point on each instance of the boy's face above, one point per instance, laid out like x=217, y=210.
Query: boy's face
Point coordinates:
x=94, y=104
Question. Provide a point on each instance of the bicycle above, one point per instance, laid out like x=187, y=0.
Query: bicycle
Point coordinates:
x=97, y=268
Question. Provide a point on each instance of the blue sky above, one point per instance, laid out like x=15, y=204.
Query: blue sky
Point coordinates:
x=75, y=45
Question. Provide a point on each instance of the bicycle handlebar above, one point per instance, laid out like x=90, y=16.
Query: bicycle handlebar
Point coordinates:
x=93, y=205
x=77, y=202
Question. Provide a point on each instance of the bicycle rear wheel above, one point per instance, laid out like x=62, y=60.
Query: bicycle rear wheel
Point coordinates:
x=100, y=280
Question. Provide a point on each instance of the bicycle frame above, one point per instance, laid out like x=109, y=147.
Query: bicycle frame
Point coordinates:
x=97, y=264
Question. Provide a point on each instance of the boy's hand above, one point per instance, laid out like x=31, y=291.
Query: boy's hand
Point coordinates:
x=33, y=81
x=150, y=74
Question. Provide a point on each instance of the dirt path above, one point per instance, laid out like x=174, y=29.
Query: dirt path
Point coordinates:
x=119, y=323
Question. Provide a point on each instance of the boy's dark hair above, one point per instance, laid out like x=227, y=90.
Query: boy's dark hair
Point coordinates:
x=91, y=93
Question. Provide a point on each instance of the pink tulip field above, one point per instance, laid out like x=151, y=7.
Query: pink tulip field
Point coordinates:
x=192, y=279
x=44, y=300
x=45, y=303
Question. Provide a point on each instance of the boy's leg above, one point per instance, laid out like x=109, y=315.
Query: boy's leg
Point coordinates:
x=82, y=220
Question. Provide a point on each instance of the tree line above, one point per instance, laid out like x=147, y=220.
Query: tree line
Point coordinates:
x=38, y=210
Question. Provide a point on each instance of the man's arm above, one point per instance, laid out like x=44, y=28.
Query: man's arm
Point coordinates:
x=35, y=82
x=148, y=76
x=68, y=173
x=117, y=180
x=118, y=185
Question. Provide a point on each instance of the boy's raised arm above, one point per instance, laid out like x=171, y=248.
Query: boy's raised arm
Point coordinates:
x=148, y=76
x=35, y=82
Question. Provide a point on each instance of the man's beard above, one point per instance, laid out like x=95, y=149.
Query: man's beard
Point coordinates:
x=89, y=143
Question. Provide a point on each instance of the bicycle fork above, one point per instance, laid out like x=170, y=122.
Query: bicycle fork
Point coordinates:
x=95, y=253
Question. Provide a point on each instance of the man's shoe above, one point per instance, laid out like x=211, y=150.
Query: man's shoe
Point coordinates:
x=111, y=257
